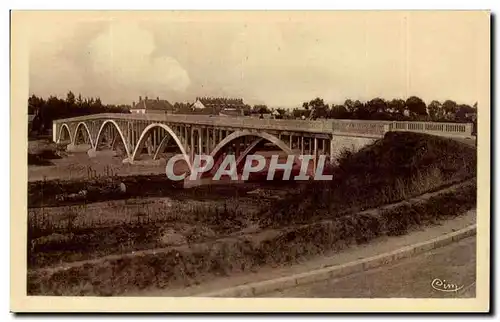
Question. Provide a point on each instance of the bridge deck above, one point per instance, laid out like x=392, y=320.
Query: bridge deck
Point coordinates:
x=362, y=128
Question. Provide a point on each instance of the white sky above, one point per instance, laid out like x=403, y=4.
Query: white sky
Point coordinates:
x=277, y=59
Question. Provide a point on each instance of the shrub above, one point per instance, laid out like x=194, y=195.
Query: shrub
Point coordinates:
x=185, y=266
x=399, y=166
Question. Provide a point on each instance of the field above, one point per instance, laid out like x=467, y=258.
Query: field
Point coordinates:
x=109, y=241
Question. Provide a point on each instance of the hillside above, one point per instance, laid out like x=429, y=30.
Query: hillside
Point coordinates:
x=394, y=168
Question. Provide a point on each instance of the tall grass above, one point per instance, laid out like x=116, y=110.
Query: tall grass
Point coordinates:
x=395, y=168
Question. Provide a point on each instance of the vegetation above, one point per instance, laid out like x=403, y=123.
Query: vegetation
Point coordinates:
x=184, y=243
x=41, y=153
x=411, y=109
x=181, y=266
x=47, y=110
x=397, y=167
x=72, y=236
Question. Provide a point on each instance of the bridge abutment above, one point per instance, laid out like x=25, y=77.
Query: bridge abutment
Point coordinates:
x=339, y=144
x=71, y=147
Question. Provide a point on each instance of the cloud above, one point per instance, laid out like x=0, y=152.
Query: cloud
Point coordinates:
x=52, y=70
x=281, y=63
x=123, y=55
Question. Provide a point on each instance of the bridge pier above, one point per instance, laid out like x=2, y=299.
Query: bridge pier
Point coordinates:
x=92, y=153
x=71, y=147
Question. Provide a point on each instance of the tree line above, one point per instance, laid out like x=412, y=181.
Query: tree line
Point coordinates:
x=411, y=109
x=52, y=108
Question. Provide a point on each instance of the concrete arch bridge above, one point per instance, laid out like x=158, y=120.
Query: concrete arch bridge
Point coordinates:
x=139, y=134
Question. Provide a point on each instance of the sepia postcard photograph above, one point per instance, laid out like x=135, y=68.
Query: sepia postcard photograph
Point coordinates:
x=250, y=161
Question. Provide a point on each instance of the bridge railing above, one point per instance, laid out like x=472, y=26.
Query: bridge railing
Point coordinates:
x=463, y=130
x=370, y=128
x=367, y=127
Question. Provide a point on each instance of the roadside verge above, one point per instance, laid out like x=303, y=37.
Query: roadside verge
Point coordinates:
x=260, y=288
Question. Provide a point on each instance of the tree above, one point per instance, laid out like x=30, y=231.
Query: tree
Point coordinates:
x=46, y=111
x=435, y=110
x=450, y=107
x=35, y=104
x=462, y=111
x=376, y=105
x=282, y=113
x=261, y=109
x=360, y=111
x=79, y=100
x=416, y=106
x=377, y=109
x=397, y=106
x=247, y=110
x=70, y=98
x=339, y=112
x=300, y=113
x=349, y=105
x=318, y=108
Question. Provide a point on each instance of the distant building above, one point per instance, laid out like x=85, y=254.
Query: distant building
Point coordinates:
x=300, y=114
x=219, y=106
x=146, y=106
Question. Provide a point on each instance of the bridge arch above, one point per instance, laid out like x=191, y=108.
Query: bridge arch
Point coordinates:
x=260, y=136
x=142, y=140
x=75, y=135
x=64, y=126
x=99, y=134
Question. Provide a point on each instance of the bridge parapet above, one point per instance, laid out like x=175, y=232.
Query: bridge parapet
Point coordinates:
x=461, y=130
x=318, y=126
x=363, y=127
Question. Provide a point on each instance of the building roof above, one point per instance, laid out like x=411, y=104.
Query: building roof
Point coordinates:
x=153, y=104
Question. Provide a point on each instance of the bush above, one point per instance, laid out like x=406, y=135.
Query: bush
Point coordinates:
x=185, y=266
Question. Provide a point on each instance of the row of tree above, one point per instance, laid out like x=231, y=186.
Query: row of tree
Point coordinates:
x=47, y=110
x=411, y=109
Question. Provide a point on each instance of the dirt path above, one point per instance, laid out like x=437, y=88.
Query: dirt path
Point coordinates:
x=255, y=233
x=377, y=246
x=408, y=278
